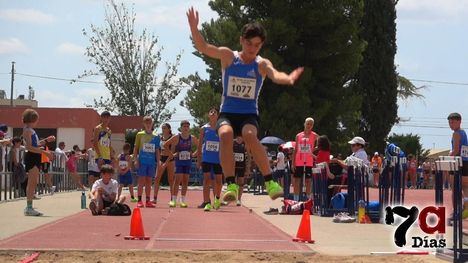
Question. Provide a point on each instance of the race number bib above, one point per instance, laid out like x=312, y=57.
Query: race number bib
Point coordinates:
x=239, y=157
x=304, y=148
x=464, y=151
x=184, y=155
x=105, y=141
x=212, y=146
x=123, y=165
x=242, y=88
x=149, y=147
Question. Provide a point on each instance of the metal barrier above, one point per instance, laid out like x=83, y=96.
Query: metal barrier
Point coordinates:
x=357, y=188
x=452, y=165
x=392, y=182
x=61, y=178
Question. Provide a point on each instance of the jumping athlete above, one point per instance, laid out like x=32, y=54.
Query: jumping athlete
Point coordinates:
x=243, y=74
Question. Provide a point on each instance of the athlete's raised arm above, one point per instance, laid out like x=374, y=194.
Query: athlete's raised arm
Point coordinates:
x=279, y=77
x=222, y=53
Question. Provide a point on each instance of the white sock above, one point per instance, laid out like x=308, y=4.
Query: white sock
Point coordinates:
x=174, y=198
x=182, y=198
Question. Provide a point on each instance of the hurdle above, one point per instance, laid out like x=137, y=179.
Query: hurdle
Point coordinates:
x=452, y=164
x=358, y=178
x=392, y=183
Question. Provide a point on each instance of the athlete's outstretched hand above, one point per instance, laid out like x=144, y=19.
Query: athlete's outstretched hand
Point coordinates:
x=295, y=74
x=192, y=16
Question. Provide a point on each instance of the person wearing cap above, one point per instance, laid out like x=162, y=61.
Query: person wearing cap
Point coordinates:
x=357, y=147
x=376, y=164
x=460, y=148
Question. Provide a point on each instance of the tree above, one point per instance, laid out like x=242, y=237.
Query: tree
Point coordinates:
x=410, y=144
x=129, y=62
x=200, y=98
x=377, y=81
x=322, y=36
x=406, y=89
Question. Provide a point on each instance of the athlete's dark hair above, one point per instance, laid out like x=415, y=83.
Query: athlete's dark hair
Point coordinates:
x=107, y=169
x=323, y=143
x=252, y=30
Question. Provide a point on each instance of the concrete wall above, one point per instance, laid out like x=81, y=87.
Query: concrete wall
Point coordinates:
x=117, y=142
x=71, y=136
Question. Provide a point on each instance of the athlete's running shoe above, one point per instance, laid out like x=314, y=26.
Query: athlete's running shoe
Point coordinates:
x=207, y=207
x=238, y=203
x=217, y=203
x=183, y=205
x=149, y=204
x=465, y=213
x=29, y=211
x=274, y=190
x=140, y=204
x=133, y=200
x=231, y=193
x=172, y=204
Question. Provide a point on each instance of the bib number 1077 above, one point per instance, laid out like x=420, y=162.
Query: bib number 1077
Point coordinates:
x=243, y=88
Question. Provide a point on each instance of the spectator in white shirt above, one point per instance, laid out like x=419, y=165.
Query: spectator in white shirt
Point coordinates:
x=280, y=166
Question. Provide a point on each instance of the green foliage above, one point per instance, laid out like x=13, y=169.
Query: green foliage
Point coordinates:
x=410, y=144
x=130, y=136
x=200, y=98
x=406, y=89
x=129, y=61
x=376, y=81
x=322, y=36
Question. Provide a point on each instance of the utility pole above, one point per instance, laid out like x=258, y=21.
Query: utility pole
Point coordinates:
x=12, y=80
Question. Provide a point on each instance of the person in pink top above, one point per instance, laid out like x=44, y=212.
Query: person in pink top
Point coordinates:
x=303, y=160
x=75, y=154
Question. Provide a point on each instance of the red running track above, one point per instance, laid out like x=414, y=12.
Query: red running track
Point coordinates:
x=230, y=228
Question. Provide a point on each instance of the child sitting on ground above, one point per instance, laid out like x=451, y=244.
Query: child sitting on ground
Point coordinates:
x=104, y=191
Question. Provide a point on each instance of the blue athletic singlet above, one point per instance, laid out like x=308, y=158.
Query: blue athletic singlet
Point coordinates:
x=210, y=149
x=123, y=163
x=463, y=147
x=34, y=138
x=148, y=151
x=241, y=86
x=184, y=151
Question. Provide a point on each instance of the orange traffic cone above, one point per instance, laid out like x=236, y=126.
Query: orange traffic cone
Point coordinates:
x=304, y=231
x=136, y=227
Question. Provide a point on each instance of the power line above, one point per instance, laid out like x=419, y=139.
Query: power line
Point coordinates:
x=422, y=126
x=55, y=78
x=440, y=82
x=77, y=80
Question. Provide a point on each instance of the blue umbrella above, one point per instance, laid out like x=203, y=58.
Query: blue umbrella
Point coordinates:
x=272, y=140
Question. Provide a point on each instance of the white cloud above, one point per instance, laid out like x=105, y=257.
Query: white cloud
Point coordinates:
x=12, y=45
x=432, y=11
x=173, y=14
x=32, y=16
x=70, y=48
x=70, y=96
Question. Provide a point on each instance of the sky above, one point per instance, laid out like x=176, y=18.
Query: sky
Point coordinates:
x=45, y=38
